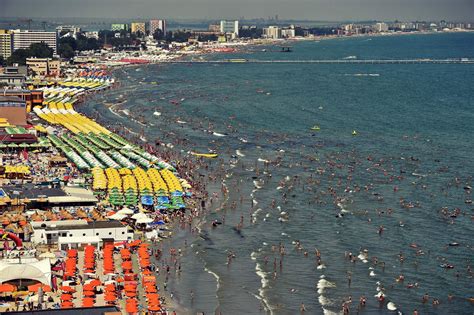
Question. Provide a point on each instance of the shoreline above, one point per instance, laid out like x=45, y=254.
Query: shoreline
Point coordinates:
x=173, y=239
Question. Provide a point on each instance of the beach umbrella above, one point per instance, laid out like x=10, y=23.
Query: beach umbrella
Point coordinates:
x=6, y=287
x=154, y=308
x=95, y=282
x=88, y=293
x=38, y=286
x=66, y=297
x=67, y=289
x=88, y=287
x=67, y=304
x=88, y=302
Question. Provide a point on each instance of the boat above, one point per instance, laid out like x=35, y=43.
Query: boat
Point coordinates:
x=315, y=128
x=206, y=155
x=354, y=132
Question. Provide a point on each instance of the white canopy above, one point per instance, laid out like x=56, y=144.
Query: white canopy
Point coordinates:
x=117, y=216
x=39, y=270
x=144, y=220
x=125, y=211
x=139, y=215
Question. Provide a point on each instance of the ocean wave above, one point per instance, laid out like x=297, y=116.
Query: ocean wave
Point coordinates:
x=111, y=108
x=218, y=279
x=362, y=74
x=217, y=134
x=264, y=284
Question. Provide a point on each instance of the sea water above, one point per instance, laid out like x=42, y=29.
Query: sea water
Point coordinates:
x=414, y=146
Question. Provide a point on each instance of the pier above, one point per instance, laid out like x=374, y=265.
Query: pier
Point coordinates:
x=335, y=61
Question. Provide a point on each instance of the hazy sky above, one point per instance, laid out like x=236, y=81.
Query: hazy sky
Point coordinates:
x=214, y=9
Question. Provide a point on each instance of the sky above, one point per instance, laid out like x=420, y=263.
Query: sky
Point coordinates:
x=324, y=10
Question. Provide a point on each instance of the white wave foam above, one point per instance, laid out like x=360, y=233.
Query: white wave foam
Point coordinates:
x=239, y=153
x=323, y=284
x=253, y=256
x=215, y=276
x=263, y=276
x=114, y=112
x=391, y=306
x=328, y=312
x=255, y=214
x=258, y=184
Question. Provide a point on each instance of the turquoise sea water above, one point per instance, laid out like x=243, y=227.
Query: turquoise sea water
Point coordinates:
x=413, y=147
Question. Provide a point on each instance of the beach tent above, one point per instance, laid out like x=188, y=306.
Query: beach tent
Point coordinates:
x=39, y=270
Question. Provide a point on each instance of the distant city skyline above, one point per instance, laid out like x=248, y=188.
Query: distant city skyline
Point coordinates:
x=328, y=10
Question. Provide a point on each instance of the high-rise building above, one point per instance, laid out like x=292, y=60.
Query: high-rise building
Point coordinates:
x=138, y=27
x=5, y=44
x=23, y=39
x=119, y=27
x=381, y=27
x=230, y=28
x=288, y=32
x=157, y=25
x=273, y=32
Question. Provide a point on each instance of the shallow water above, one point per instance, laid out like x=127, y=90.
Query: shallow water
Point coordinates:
x=414, y=125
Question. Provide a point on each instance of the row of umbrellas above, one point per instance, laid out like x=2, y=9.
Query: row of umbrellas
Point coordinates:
x=7, y=288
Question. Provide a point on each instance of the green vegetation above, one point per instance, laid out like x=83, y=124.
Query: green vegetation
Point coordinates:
x=38, y=50
x=67, y=45
x=251, y=32
x=158, y=35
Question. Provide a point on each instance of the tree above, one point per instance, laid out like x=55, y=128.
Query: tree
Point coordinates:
x=2, y=61
x=66, y=51
x=207, y=38
x=19, y=56
x=40, y=50
x=169, y=36
x=181, y=36
x=139, y=34
x=69, y=41
x=158, y=35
